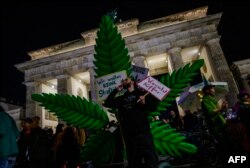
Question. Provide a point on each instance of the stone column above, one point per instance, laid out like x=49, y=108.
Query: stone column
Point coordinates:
x=63, y=84
x=92, y=84
x=139, y=60
x=176, y=59
x=221, y=70
x=30, y=104
x=62, y=88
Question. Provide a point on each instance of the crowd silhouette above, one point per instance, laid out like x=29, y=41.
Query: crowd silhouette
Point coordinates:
x=42, y=148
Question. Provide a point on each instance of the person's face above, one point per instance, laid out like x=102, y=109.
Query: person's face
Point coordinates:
x=35, y=123
x=22, y=124
x=25, y=125
x=127, y=83
x=225, y=104
x=246, y=98
x=211, y=91
x=172, y=113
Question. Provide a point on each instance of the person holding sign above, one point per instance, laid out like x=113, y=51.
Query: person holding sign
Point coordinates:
x=134, y=123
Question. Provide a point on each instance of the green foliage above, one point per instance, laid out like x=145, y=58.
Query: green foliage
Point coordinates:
x=168, y=141
x=111, y=55
x=74, y=110
x=99, y=148
x=177, y=81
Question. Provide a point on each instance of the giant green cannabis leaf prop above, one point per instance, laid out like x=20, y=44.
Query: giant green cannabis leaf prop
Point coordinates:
x=112, y=56
x=168, y=141
x=74, y=110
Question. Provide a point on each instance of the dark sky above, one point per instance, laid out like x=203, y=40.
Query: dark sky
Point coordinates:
x=31, y=25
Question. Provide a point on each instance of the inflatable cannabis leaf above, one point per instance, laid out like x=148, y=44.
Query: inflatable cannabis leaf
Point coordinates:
x=111, y=55
x=168, y=141
x=74, y=110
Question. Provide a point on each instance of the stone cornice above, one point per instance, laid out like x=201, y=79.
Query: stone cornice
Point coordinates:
x=242, y=62
x=126, y=28
x=56, y=49
x=243, y=66
x=175, y=18
x=86, y=51
x=54, y=69
x=179, y=27
x=180, y=35
x=203, y=25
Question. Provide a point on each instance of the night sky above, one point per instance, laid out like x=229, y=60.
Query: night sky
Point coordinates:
x=28, y=26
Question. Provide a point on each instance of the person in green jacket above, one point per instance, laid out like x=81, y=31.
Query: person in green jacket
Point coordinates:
x=212, y=112
x=216, y=124
x=8, y=140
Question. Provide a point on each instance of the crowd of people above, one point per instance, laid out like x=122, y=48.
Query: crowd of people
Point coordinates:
x=35, y=147
x=229, y=126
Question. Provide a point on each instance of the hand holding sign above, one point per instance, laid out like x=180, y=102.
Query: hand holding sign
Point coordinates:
x=142, y=98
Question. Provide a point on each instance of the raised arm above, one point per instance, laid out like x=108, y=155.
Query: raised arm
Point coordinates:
x=111, y=101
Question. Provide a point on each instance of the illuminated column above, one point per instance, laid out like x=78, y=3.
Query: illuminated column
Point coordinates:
x=220, y=68
x=30, y=104
x=63, y=84
x=92, y=84
x=217, y=60
x=177, y=62
x=62, y=87
x=175, y=56
x=139, y=60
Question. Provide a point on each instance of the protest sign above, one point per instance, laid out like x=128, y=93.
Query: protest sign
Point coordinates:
x=154, y=87
x=139, y=73
x=106, y=84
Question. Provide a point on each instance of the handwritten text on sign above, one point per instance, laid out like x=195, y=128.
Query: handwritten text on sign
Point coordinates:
x=106, y=84
x=154, y=87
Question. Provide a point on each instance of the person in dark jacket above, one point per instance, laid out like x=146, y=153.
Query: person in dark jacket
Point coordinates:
x=69, y=150
x=190, y=121
x=57, y=142
x=244, y=110
x=175, y=120
x=38, y=145
x=23, y=144
x=132, y=109
x=244, y=116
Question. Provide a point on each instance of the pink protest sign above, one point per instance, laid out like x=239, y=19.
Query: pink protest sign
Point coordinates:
x=154, y=87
